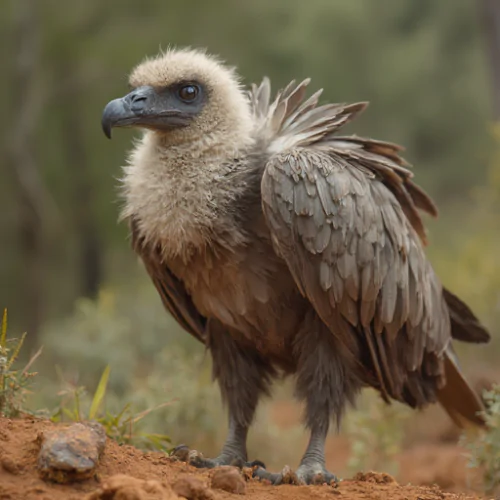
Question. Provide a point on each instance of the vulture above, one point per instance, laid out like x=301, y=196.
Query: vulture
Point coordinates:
x=286, y=248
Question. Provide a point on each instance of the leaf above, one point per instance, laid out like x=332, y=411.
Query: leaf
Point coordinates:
x=118, y=417
x=72, y=415
x=3, y=336
x=35, y=356
x=99, y=393
x=144, y=413
x=15, y=354
x=77, y=406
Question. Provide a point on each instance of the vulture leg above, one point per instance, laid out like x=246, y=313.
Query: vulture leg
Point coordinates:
x=312, y=469
x=325, y=383
x=243, y=376
x=234, y=451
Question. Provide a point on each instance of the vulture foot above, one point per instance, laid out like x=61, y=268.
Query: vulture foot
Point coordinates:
x=286, y=476
x=305, y=474
x=196, y=459
x=315, y=473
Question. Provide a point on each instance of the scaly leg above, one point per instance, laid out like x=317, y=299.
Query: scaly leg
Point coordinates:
x=325, y=381
x=243, y=376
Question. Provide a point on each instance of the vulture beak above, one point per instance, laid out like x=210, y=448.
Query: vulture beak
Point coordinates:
x=143, y=107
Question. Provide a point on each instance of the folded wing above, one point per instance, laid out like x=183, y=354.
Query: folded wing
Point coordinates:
x=344, y=214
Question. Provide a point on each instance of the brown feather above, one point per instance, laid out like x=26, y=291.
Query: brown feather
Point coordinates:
x=171, y=290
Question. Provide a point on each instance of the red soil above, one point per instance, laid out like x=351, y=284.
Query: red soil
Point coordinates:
x=126, y=473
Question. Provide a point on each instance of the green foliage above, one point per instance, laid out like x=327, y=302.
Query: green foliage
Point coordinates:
x=465, y=254
x=125, y=330
x=14, y=384
x=123, y=426
x=376, y=430
x=485, y=450
x=150, y=361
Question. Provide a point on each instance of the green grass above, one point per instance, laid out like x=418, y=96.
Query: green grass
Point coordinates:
x=123, y=426
x=376, y=430
x=14, y=384
x=484, y=451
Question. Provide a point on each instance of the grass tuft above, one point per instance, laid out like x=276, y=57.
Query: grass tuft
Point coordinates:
x=14, y=384
x=376, y=430
x=123, y=427
x=484, y=451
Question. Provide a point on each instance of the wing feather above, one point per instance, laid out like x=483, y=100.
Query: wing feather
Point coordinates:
x=343, y=212
x=354, y=252
x=171, y=290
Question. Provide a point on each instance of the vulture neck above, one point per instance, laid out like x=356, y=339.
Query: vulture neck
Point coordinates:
x=183, y=195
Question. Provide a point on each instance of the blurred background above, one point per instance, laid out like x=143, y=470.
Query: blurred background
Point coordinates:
x=431, y=71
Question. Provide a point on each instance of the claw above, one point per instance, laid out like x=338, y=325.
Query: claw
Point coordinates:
x=303, y=475
x=196, y=459
x=181, y=453
x=286, y=476
x=308, y=474
x=255, y=463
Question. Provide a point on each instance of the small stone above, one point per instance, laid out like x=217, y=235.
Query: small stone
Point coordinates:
x=71, y=453
x=192, y=489
x=8, y=465
x=122, y=487
x=228, y=479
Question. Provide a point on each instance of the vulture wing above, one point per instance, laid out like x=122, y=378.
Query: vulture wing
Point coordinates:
x=343, y=214
x=172, y=292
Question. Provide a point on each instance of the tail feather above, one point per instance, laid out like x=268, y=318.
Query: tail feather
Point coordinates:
x=464, y=324
x=457, y=397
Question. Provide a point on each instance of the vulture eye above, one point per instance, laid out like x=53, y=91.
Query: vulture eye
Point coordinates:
x=188, y=93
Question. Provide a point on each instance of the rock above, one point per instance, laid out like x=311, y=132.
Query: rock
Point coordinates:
x=71, y=453
x=122, y=487
x=8, y=465
x=228, y=479
x=192, y=489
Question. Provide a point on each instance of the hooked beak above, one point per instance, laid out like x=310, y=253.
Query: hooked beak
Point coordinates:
x=143, y=107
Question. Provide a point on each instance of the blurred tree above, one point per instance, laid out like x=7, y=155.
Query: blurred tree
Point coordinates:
x=69, y=79
x=31, y=194
x=491, y=21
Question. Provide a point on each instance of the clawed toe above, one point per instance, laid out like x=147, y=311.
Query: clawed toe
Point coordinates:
x=196, y=459
x=192, y=457
x=286, y=476
x=181, y=453
x=255, y=463
x=308, y=473
x=315, y=474
x=303, y=475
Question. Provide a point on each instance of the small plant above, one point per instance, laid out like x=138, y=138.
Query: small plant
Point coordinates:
x=121, y=427
x=376, y=431
x=484, y=451
x=14, y=384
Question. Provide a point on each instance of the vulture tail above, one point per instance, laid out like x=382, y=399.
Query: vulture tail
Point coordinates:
x=464, y=324
x=458, y=398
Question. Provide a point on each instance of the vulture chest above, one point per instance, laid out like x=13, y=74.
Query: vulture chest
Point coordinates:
x=250, y=290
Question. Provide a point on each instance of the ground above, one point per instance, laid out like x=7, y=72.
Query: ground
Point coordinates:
x=423, y=465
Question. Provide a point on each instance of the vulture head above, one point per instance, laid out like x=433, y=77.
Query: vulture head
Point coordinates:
x=182, y=95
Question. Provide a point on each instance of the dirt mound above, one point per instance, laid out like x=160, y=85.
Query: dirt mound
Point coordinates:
x=125, y=473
